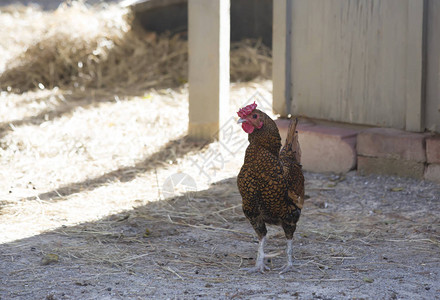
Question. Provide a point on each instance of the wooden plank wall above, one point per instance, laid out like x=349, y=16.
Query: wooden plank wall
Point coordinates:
x=359, y=61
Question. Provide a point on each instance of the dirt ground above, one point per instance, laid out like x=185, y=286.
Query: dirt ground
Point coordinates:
x=358, y=238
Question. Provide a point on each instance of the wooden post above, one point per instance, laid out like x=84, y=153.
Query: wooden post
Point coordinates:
x=415, y=66
x=281, y=69
x=208, y=43
x=432, y=104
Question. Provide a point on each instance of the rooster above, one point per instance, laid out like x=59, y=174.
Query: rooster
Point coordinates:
x=270, y=181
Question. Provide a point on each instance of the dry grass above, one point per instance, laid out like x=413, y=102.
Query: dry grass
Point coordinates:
x=103, y=48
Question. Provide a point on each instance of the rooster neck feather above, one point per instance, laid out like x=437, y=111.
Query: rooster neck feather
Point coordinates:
x=268, y=136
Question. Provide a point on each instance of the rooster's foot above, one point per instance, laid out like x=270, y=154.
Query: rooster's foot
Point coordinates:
x=286, y=268
x=258, y=268
x=259, y=265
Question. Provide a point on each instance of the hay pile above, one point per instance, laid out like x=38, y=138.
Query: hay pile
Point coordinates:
x=102, y=47
x=250, y=59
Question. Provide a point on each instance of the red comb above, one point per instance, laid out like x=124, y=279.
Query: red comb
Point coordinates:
x=247, y=110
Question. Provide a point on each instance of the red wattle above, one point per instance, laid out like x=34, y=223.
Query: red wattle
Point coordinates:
x=247, y=127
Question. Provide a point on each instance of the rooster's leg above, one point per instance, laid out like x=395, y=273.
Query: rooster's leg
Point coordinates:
x=289, y=229
x=289, y=266
x=259, y=265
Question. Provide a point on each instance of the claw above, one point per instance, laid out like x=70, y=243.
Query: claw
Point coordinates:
x=285, y=269
x=261, y=268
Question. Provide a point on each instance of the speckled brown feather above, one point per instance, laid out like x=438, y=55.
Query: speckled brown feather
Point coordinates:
x=290, y=157
x=267, y=178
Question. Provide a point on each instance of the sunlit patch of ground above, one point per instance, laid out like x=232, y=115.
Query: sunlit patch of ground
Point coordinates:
x=94, y=113
x=100, y=158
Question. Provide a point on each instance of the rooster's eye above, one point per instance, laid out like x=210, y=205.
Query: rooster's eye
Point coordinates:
x=254, y=116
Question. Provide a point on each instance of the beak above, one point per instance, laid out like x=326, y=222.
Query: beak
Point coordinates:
x=241, y=121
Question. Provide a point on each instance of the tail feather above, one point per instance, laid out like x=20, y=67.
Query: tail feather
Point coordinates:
x=292, y=140
x=292, y=130
x=290, y=157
